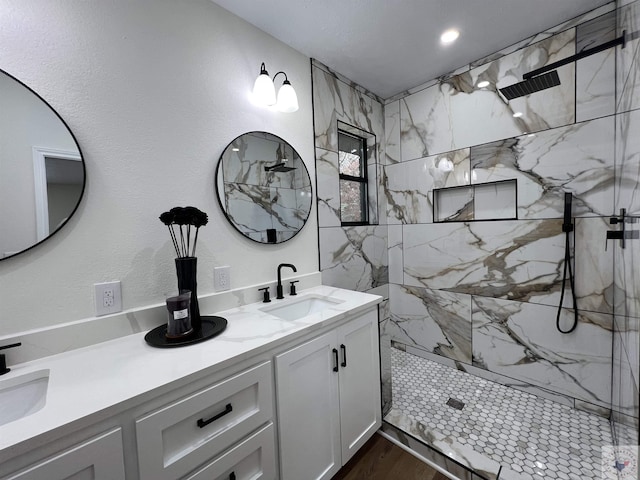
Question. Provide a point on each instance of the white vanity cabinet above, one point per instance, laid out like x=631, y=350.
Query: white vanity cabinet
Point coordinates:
x=328, y=394
x=208, y=412
x=99, y=458
x=175, y=439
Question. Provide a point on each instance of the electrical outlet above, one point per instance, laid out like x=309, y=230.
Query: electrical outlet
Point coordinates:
x=108, y=297
x=222, y=278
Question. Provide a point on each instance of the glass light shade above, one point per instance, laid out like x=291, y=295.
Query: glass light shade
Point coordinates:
x=287, y=98
x=263, y=90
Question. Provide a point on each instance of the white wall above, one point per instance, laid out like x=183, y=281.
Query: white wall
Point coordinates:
x=25, y=122
x=153, y=90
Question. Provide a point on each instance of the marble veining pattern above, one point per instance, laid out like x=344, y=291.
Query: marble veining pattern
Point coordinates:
x=335, y=100
x=578, y=159
x=392, y=133
x=409, y=185
x=396, y=274
x=354, y=257
x=437, y=321
x=437, y=119
x=595, y=32
x=625, y=396
x=497, y=259
x=603, y=10
x=517, y=260
x=445, y=443
x=454, y=205
x=628, y=163
x=627, y=279
x=535, y=437
x=519, y=340
x=628, y=58
x=328, y=188
x=595, y=86
x=429, y=453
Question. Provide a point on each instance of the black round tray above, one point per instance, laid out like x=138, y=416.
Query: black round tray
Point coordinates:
x=211, y=326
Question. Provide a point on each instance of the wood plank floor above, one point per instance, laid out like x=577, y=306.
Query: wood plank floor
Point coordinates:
x=379, y=459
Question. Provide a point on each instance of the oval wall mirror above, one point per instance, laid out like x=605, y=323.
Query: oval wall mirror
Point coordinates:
x=263, y=187
x=42, y=174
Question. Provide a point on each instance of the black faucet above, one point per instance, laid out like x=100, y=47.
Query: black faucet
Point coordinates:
x=3, y=361
x=279, y=294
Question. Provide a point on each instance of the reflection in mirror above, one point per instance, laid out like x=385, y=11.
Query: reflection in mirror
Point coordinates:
x=264, y=187
x=41, y=169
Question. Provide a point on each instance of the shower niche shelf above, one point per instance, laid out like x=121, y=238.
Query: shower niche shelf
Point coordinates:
x=481, y=201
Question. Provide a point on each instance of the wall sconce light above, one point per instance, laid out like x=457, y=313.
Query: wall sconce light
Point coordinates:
x=264, y=92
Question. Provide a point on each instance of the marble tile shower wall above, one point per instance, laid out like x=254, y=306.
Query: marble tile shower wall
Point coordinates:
x=354, y=257
x=484, y=294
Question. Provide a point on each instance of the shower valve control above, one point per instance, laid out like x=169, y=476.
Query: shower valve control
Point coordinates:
x=623, y=235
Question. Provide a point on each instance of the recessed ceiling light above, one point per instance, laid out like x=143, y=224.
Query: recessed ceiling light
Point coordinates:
x=482, y=84
x=449, y=36
x=517, y=115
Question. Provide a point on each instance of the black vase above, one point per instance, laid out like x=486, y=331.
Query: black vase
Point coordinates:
x=187, y=270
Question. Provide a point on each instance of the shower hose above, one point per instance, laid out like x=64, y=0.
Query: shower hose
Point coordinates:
x=567, y=228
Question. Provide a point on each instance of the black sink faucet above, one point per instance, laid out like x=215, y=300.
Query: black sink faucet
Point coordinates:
x=3, y=361
x=279, y=294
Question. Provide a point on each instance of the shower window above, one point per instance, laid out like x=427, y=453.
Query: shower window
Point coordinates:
x=352, y=161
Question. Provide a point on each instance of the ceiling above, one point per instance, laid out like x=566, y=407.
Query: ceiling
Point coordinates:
x=389, y=46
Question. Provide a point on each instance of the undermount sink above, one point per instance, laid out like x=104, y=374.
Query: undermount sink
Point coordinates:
x=23, y=395
x=301, y=307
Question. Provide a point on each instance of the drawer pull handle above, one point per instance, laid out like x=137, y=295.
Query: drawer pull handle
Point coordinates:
x=335, y=358
x=344, y=355
x=232, y=476
x=203, y=423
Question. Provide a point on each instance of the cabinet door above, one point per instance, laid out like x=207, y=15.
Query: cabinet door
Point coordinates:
x=308, y=410
x=360, y=407
x=97, y=459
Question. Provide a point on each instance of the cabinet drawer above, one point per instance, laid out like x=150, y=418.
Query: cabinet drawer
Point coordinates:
x=253, y=459
x=97, y=459
x=175, y=439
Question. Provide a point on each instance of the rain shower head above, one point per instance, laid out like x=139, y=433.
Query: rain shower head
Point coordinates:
x=531, y=85
x=547, y=76
x=279, y=167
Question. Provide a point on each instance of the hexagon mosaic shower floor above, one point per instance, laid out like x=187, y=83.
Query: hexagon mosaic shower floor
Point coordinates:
x=536, y=437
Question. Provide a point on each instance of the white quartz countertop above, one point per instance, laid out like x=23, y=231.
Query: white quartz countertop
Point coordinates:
x=87, y=381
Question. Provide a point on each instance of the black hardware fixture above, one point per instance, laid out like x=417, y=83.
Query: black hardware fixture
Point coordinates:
x=279, y=294
x=3, y=360
x=292, y=290
x=335, y=359
x=265, y=295
x=543, y=78
x=624, y=234
x=232, y=476
x=344, y=355
x=279, y=167
x=567, y=228
x=203, y=423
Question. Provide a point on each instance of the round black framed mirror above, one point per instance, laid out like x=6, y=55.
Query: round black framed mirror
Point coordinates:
x=263, y=187
x=42, y=173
